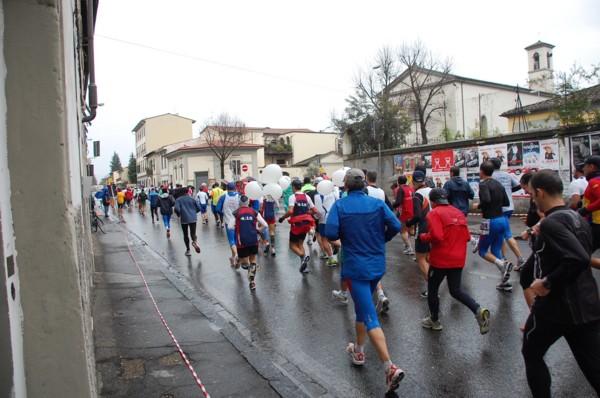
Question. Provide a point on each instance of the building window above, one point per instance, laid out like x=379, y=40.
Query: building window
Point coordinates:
x=281, y=161
x=536, y=61
x=236, y=167
x=549, y=60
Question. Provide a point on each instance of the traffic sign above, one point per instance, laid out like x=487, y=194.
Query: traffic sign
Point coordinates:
x=244, y=168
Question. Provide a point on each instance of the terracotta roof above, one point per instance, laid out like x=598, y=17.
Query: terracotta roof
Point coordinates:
x=538, y=44
x=593, y=93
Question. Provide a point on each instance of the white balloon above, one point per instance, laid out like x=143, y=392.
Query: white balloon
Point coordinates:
x=325, y=187
x=346, y=168
x=338, y=177
x=271, y=174
x=254, y=190
x=284, y=182
x=273, y=190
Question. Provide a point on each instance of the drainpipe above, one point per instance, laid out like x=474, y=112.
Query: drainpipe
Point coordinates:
x=92, y=89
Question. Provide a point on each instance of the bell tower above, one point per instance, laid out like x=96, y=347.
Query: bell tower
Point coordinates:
x=541, y=66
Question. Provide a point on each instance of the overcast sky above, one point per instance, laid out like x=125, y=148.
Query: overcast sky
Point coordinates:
x=290, y=64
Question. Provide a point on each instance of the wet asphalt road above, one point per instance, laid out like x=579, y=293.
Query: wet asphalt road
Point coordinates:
x=293, y=315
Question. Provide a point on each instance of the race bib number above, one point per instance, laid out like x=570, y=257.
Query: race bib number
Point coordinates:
x=484, y=228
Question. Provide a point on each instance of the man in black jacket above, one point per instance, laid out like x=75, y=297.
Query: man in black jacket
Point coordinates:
x=567, y=302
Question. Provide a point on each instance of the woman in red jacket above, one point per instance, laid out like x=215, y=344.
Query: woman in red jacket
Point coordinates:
x=448, y=235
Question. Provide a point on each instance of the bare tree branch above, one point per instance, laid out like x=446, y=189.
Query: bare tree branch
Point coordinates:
x=223, y=136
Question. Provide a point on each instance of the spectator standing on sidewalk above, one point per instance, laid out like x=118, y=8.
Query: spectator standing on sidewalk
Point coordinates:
x=448, y=235
x=567, y=300
x=187, y=209
x=364, y=264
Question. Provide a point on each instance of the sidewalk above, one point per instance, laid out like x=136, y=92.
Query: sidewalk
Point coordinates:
x=135, y=355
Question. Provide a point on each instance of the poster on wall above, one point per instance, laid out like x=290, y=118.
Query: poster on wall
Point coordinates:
x=442, y=160
x=549, y=157
x=499, y=152
x=595, y=144
x=485, y=153
x=581, y=148
x=460, y=157
x=440, y=178
x=531, y=154
x=514, y=156
x=426, y=160
x=472, y=157
x=473, y=181
x=398, y=165
x=408, y=161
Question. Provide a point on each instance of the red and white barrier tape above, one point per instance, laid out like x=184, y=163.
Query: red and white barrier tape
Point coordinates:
x=514, y=215
x=187, y=362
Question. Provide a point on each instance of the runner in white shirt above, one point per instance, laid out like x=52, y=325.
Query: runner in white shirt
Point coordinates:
x=577, y=186
x=202, y=199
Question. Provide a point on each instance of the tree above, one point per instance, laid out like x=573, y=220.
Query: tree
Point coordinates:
x=132, y=170
x=372, y=120
x=223, y=136
x=572, y=103
x=421, y=83
x=115, y=163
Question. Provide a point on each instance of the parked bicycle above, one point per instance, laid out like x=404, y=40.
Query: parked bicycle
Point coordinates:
x=96, y=222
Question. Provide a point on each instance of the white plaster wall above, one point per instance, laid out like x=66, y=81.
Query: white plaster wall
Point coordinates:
x=15, y=311
x=305, y=145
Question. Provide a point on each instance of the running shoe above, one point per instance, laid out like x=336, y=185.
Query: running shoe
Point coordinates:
x=519, y=266
x=483, y=319
x=384, y=304
x=505, y=286
x=408, y=251
x=168, y=233
x=332, y=262
x=252, y=285
x=267, y=248
x=431, y=324
x=475, y=244
x=304, y=264
x=187, y=253
x=218, y=223
x=245, y=265
x=393, y=377
x=273, y=251
x=506, y=268
x=340, y=296
x=196, y=247
x=358, y=358
x=323, y=256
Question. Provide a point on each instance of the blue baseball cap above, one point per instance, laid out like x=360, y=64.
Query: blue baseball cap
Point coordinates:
x=231, y=185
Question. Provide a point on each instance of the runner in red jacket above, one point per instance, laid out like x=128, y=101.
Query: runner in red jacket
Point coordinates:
x=448, y=235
